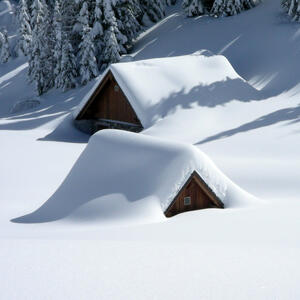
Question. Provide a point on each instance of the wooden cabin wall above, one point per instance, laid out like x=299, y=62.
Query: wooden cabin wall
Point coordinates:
x=111, y=103
x=199, y=199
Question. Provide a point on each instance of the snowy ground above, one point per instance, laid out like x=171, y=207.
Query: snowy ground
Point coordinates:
x=236, y=253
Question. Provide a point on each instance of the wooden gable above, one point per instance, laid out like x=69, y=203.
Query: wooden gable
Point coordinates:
x=108, y=107
x=194, y=195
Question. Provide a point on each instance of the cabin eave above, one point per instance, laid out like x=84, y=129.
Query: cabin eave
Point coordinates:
x=108, y=107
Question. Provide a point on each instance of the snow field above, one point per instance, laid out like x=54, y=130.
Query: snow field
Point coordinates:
x=243, y=252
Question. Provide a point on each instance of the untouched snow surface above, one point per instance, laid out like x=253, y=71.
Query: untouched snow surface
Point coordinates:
x=242, y=252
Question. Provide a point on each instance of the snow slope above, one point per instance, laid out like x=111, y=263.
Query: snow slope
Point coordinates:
x=247, y=252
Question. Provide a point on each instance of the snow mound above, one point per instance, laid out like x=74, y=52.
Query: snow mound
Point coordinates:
x=24, y=105
x=132, y=176
x=156, y=87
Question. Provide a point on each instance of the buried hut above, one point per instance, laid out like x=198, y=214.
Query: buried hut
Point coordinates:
x=195, y=194
x=134, y=95
x=173, y=178
x=108, y=107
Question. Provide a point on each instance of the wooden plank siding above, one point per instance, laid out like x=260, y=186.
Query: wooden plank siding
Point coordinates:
x=108, y=102
x=199, y=192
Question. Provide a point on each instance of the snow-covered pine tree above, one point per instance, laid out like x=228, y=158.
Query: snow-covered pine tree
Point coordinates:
x=111, y=51
x=65, y=61
x=40, y=56
x=193, y=7
x=88, y=65
x=69, y=13
x=154, y=9
x=250, y=3
x=109, y=21
x=77, y=26
x=286, y=5
x=97, y=30
x=24, y=27
x=68, y=64
x=4, y=47
x=219, y=8
x=234, y=7
x=57, y=23
x=137, y=9
x=127, y=22
x=292, y=7
x=230, y=7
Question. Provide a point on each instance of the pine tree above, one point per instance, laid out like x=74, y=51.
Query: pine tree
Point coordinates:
x=234, y=7
x=250, y=3
x=137, y=9
x=68, y=64
x=69, y=12
x=49, y=45
x=111, y=52
x=193, y=7
x=126, y=21
x=58, y=44
x=4, y=47
x=65, y=62
x=24, y=28
x=154, y=9
x=98, y=31
x=56, y=29
x=292, y=7
x=230, y=7
x=219, y=8
x=41, y=56
x=110, y=23
x=77, y=26
x=88, y=65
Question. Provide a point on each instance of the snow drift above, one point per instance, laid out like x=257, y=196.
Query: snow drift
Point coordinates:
x=140, y=174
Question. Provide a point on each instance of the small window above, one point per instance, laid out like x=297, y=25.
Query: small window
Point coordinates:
x=116, y=88
x=187, y=201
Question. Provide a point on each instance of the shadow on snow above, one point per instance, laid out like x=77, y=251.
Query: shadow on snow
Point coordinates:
x=291, y=114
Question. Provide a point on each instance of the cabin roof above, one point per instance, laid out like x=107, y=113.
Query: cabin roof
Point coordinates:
x=166, y=166
x=155, y=86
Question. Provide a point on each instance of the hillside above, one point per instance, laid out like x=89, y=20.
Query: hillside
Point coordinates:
x=242, y=252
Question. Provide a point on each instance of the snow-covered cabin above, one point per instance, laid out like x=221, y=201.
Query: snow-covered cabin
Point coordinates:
x=134, y=95
x=153, y=178
x=194, y=194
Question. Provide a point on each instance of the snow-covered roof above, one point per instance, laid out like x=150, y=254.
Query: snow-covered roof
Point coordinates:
x=156, y=85
x=136, y=169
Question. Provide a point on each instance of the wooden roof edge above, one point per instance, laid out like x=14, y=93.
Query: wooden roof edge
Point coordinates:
x=109, y=75
x=106, y=77
x=178, y=193
x=209, y=192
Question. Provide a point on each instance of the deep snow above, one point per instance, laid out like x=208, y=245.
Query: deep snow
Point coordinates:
x=246, y=252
